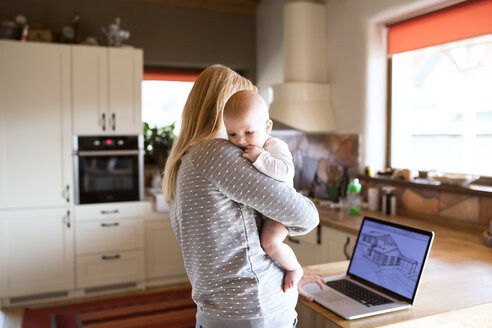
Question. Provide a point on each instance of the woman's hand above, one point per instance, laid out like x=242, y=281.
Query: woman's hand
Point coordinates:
x=309, y=278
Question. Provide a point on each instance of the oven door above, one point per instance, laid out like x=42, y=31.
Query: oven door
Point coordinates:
x=108, y=176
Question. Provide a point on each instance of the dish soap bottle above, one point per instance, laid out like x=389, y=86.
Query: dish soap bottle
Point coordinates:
x=353, y=197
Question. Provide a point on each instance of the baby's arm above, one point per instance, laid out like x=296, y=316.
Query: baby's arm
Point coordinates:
x=276, y=162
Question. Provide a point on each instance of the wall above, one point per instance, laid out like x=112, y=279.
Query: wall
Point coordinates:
x=170, y=36
x=356, y=63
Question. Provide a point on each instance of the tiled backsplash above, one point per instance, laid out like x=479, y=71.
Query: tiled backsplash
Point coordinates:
x=314, y=155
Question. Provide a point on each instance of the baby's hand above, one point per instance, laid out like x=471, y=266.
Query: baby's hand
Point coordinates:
x=252, y=153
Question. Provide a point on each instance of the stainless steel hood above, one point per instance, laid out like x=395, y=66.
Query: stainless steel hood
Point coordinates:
x=303, y=100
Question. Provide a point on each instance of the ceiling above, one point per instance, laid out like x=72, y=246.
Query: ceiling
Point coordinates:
x=243, y=7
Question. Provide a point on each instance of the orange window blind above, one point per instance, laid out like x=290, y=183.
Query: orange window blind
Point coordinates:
x=464, y=20
x=170, y=75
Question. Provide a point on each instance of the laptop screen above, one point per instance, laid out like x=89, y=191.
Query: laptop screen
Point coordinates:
x=391, y=256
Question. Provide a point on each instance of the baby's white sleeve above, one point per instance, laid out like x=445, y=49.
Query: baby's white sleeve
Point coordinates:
x=276, y=161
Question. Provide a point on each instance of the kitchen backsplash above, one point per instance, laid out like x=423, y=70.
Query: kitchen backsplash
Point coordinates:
x=436, y=203
x=316, y=155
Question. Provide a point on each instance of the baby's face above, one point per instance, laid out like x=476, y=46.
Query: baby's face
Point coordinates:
x=249, y=129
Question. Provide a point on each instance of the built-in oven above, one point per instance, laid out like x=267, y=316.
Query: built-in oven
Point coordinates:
x=108, y=168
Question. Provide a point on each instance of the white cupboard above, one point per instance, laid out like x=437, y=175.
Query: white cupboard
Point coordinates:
x=35, y=137
x=106, y=90
x=37, y=251
x=339, y=244
x=163, y=256
x=109, y=244
x=323, y=244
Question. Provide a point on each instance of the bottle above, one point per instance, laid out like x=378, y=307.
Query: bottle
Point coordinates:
x=373, y=199
x=344, y=182
x=388, y=201
x=353, y=197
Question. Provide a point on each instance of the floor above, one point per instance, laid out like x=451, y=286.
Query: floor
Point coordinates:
x=12, y=317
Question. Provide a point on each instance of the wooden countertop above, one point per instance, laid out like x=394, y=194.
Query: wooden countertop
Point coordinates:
x=456, y=286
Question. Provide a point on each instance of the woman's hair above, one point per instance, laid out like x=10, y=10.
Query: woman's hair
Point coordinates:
x=202, y=116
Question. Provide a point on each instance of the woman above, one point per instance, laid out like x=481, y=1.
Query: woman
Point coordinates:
x=215, y=198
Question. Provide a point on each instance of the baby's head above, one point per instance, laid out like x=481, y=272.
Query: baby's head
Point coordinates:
x=246, y=119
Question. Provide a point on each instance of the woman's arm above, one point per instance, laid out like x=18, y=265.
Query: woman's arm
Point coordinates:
x=221, y=163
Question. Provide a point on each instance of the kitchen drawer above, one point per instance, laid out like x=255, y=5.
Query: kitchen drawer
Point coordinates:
x=109, y=235
x=110, y=268
x=111, y=211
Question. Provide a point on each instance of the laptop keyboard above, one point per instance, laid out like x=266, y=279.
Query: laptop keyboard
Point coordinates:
x=358, y=293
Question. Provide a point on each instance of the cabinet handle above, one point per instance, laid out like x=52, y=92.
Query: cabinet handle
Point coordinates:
x=69, y=219
x=296, y=241
x=67, y=190
x=113, y=121
x=110, y=257
x=110, y=212
x=114, y=224
x=319, y=234
x=104, y=121
x=345, y=252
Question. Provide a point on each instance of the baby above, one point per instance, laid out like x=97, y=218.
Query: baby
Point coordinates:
x=248, y=126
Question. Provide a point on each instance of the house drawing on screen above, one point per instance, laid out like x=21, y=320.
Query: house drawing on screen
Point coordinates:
x=382, y=250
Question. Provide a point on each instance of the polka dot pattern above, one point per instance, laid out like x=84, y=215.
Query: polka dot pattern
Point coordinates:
x=216, y=218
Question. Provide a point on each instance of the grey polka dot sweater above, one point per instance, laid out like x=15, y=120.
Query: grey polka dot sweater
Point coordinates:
x=215, y=216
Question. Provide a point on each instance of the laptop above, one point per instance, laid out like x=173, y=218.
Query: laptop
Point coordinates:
x=384, y=273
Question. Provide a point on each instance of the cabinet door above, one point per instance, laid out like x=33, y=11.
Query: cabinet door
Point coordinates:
x=125, y=84
x=340, y=245
x=306, y=247
x=163, y=256
x=38, y=252
x=35, y=142
x=90, y=90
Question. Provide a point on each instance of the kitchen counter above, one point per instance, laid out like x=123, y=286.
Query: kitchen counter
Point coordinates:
x=456, y=286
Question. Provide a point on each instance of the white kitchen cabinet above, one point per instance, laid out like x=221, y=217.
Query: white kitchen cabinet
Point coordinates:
x=322, y=245
x=110, y=244
x=36, y=249
x=35, y=137
x=110, y=268
x=339, y=244
x=106, y=90
x=109, y=235
x=307, y=248
x=163, y=254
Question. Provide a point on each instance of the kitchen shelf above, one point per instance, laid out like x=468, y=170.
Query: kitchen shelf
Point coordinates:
x=472, y=189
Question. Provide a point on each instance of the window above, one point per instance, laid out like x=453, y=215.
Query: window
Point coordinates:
x=441, y=109
x=164, y=94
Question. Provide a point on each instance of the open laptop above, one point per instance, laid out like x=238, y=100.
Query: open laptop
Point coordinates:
x=384, y=272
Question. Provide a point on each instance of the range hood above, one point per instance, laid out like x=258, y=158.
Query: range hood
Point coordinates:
x=303, y=100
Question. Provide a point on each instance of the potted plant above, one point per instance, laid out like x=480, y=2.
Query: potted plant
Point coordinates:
x=158, y=142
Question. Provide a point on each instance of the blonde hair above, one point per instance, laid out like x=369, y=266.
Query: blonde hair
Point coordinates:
x=202, y=116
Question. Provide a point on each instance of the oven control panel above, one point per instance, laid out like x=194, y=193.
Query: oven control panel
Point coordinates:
x=107, y=142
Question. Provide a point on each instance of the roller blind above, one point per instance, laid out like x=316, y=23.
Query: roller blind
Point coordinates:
x=464, y=20
x=170, y=75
